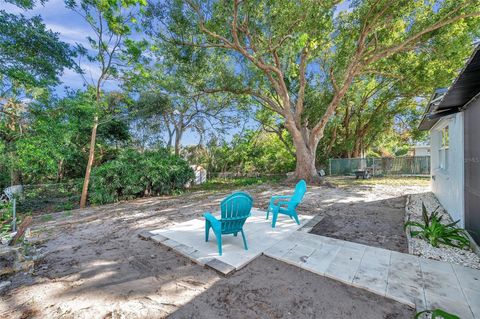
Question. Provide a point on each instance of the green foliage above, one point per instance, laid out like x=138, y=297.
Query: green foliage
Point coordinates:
x=253, y=152
x=433, y=231
x=222, y=184
x=133, y=174
x=49, y=198
x=6, y=218
x=32, y=56
x=53, y=146
x=305, y=60
x=46, y=218
x=436, y=314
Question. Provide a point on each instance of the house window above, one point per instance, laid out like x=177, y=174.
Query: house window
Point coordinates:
x=443, y=151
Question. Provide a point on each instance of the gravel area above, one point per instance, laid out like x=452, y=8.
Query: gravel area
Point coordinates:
x=465, y=257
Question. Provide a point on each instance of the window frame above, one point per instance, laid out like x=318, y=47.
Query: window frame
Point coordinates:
x=443, y=150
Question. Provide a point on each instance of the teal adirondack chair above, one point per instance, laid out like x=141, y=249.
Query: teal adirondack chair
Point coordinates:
x=235, y=210
x=287, y=205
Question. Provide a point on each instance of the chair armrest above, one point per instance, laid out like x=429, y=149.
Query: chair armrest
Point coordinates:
x=216, y=224
x=283, y=203
x=274, y=198
x=281, y=196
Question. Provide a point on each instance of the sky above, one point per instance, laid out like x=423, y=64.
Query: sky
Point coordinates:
x=73, y=29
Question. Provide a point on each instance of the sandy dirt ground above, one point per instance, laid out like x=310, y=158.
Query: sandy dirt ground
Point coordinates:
x=378, y=223
x=97, y=267
x=268, y=288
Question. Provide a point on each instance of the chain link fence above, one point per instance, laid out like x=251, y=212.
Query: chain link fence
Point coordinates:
x=45, y=198
x=380, y=166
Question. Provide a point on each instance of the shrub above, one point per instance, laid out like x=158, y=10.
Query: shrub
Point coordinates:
x=436, y=314
x=433, y=231
x=6, y=218
x=133, y=174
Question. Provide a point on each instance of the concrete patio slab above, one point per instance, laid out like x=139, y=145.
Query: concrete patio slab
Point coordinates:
x=415, y=281
x=469, y=278
x=321, y=258
x=188, y=239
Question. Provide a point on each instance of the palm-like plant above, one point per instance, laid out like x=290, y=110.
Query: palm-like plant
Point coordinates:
x=433, y=231
x=436, y=314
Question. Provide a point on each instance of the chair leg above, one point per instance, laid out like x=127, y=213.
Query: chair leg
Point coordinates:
x=296, y=218
x=244, y=240
x=235, y=234
x=274, y=218
x=207, y=229
x=219, y=243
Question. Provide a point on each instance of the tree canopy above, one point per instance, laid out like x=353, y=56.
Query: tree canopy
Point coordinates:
x=300, y=59
x=255, y=86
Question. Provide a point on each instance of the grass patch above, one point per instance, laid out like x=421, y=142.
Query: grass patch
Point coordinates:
x=46, y=218
x=67, y=214
x=346, y=181
x=232, y=183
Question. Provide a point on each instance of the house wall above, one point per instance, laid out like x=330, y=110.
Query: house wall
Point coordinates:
x=448, y=183
x=422, y=151
x=472, y=169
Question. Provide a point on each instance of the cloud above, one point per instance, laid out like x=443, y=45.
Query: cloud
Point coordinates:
x=69, y=34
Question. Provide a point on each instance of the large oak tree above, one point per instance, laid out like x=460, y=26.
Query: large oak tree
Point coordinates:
x=284, y=50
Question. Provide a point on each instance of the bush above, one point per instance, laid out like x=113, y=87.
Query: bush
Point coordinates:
x=133, y=174
x=433, y=231
x=6, y=218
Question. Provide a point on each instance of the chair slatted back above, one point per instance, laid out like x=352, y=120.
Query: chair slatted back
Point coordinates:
x=300, y=190
x=235, y=211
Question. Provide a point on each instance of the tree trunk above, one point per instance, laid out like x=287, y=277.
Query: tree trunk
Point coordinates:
x=60, y=170
x=356, y=149
x=305, y=152
x=178, y=138
x=91, y=155
x=15, y=177
x=169, y=142
x=305, y=166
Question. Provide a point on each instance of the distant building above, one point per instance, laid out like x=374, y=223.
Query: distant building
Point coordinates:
x=452, y=117
x=419, y=150
x=200, y=174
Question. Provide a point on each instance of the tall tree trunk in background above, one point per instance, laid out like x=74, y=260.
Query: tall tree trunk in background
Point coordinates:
x=91, y=156
x=170, y=139
x=178, y=138
x=305, y=165
x=305, y=153
x=15, y=177
x=60, y=170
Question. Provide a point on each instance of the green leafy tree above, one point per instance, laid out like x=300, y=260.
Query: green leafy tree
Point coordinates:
x=55, y=144
x=284, y=50
x=170, y=81
x=31, y=60
x=387, y=104
x=111, y=25
x=32, y=57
